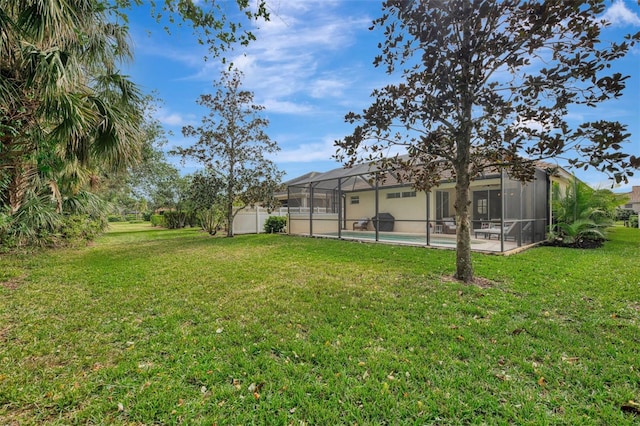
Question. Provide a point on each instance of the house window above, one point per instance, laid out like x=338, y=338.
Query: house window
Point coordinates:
x=406, y=194
x=442, y=204
x=482, y=206
x=355, y=199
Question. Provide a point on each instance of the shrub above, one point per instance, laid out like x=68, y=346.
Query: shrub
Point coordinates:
x=582, y=215
x=157, y=220
x=275, y=224
x=211, y=220
x=114, y=218
x=624, y=214
x=39, y=223
x=78, y=228
x=35, y=223
x=175, y=219
x=130, y=217
x=192, y=219
x=146, y=216
x=633, y=221
x=72, y=228
x=6, y=240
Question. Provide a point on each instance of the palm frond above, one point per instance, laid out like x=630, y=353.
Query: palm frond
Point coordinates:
x=55, y=192
x=66, y=110
x=116, y=138
x=51, y=22
x=86, y=203
x=35, y=221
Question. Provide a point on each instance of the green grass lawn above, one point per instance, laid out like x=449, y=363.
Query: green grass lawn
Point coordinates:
x=151, y=326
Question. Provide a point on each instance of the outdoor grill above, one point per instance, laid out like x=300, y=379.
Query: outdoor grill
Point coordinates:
x=383, y=222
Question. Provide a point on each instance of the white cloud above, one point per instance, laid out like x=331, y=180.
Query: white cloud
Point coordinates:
x=286, y=107
x=173, y=119
x=619, y=15
x=286, y=66
x=309, y=152
x=327, y=87
x=533, y=125
x=576, y=117
x=291, y=49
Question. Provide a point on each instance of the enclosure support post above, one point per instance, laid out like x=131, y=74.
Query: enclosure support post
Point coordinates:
x=519, y=226
x=377, y=216
x=502, y=207
x=428, y=196
x=311, y=210
x=339, y=207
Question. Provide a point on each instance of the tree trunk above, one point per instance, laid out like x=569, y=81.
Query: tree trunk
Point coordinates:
x=229, y=206
x=464, y=267
x=18, y=185
x=229, y=218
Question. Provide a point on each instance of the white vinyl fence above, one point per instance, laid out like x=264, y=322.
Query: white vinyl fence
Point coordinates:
x=251, y=221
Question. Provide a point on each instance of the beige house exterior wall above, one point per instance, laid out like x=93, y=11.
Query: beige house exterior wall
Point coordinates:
x=323, y=223
x=407, y=208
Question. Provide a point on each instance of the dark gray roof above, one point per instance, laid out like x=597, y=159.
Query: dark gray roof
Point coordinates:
x=360, y=176
x=304, y=178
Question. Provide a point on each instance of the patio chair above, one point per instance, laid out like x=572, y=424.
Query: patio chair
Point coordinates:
x=448, y=225
x=362, y=224
x=509, y=230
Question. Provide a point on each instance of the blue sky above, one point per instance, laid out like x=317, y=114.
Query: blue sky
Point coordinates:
x=310, y=65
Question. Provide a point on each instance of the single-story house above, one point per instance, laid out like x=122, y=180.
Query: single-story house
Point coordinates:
x=363, y=203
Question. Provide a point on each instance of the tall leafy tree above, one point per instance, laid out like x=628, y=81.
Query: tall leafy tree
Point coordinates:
x=207, y=198
x=232, y=144
x=214, y=23
x=67, y=114
x=65, y=110
x=486, y=85
x=154, y=178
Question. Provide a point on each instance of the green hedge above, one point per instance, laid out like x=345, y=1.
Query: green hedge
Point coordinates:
x=157, y=220
x=179, y=219
x=275, y=224
x=79, y=228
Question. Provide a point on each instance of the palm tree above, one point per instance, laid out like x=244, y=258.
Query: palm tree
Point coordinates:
x=65, y=110
x=583, y=213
